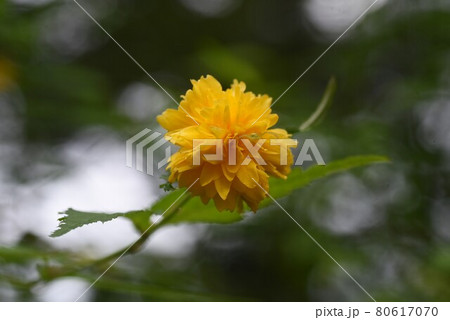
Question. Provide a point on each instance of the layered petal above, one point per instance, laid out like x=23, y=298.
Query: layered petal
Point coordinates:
x=208, y=113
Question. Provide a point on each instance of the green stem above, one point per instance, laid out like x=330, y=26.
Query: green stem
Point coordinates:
x=149, y=231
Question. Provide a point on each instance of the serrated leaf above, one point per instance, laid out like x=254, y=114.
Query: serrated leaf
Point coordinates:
x=192, y=212
x=300, y=178
x=73, y=219
x=195, y=211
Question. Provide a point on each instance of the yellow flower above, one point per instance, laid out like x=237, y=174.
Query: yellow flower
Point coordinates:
x=230, y=116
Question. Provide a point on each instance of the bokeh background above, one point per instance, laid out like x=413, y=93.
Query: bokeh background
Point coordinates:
x=69, y=99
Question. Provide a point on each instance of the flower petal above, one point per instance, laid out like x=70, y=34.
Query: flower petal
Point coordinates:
x=248, y=174
x=172, y=119
x=223, y=187
x=209, y=173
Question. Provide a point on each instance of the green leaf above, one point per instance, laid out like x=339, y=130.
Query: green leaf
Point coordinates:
x=299, y=178
x=323, y=106
x=167, y=186
x=73, y=219
x=193, y=211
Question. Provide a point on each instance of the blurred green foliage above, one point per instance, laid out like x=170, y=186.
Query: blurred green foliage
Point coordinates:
x=382, y=223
